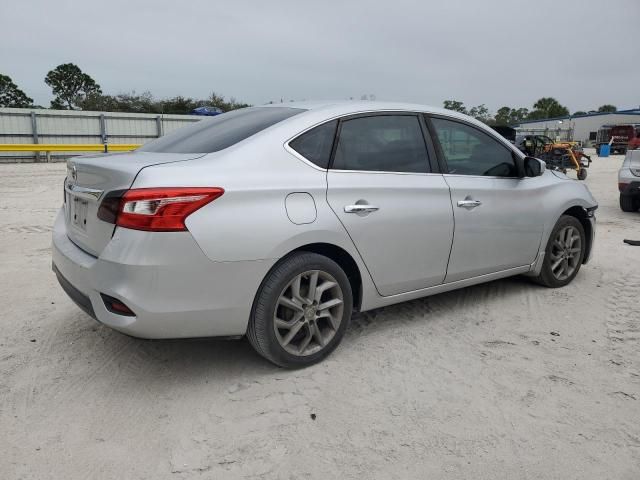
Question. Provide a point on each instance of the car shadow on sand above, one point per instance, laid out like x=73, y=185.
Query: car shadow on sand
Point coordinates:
x=212, y=358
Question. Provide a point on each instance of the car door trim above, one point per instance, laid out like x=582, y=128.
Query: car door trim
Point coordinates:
x=370, y=302
x=384, y=172
x=483, y=176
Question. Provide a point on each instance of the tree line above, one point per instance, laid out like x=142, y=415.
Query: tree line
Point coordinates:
x=75, y=90
x=546, y=107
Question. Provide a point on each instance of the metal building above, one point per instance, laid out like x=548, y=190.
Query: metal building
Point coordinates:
x=24, y=125
x=581, y=128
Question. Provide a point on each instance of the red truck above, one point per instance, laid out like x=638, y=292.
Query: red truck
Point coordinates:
x=625, y=137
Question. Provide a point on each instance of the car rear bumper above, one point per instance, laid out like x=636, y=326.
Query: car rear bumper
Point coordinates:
x=173, y=289
x=80, y=299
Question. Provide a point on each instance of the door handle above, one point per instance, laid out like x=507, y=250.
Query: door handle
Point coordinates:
x=466, y=203
x=366, y=208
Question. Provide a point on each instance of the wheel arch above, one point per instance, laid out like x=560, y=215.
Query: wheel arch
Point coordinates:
x=581, y=214
x=344, y=260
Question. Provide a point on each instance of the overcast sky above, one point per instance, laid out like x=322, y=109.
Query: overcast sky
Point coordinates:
x=497, y=52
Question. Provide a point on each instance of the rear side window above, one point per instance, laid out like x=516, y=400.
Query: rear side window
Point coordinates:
x=315, y=145
x=220, y=132
x=389, y=143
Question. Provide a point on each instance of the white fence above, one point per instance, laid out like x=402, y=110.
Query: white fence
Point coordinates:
x=21, y=125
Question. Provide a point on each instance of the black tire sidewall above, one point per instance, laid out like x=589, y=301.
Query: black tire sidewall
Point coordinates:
x=265, y=304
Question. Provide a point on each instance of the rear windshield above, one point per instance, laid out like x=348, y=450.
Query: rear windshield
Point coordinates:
x=220, y=132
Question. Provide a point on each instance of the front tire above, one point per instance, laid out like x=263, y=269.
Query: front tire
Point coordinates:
x=301, y=310
x=564, y=253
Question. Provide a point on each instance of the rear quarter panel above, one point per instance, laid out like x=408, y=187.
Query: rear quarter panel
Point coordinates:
x=250, y=221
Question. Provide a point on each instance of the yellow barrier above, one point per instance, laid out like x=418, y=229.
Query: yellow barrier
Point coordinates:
x=67, y=147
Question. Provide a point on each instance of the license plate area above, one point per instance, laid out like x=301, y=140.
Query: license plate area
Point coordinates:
x=78, y=212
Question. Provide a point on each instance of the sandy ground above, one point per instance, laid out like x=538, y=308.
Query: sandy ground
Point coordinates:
x=470, y=384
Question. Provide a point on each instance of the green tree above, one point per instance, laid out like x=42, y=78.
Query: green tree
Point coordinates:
x=502, y=116
x=517, y=115
x=122, y=102
x=548, y=107
x=219, y=101
x=71, y=86
x=607, y=108
x=510, y=116
x=179, y=104
x=455, y=105
x=481, y=112
x=11, y=95
x=146, y=103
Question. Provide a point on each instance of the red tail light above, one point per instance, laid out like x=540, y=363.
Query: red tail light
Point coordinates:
x=162, y=209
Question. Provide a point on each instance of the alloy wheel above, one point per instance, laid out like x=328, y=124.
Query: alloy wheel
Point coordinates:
x=308, y=312
x=566, y=252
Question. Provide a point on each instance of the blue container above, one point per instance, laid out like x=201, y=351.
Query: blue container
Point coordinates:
x=604, y=150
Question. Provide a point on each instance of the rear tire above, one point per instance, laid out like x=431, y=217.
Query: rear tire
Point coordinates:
x=564, y=253
x=301, y=310
x=629, y=203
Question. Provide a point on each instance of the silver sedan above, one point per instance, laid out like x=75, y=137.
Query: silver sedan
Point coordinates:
x=278, y=222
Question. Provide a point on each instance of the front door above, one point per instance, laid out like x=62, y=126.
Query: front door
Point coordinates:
x=498, y=216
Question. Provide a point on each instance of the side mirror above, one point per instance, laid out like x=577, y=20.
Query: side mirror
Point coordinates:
x=534, y=167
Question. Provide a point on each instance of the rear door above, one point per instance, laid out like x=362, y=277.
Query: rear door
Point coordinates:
x=498, y=216
x=395, y=208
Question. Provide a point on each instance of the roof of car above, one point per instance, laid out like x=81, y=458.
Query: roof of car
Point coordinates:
x=317, y=112
x=355, y=106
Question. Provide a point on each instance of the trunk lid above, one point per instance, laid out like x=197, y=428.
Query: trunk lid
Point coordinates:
x=90, y=179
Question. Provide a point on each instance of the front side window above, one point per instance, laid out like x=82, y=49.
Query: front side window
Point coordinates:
x=315, y=145
x=220, y=132
x=469, y=151
x=389, y=143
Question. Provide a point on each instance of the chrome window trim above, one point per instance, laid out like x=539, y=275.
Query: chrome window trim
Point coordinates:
x=90, y=193
x=482, y=176
x=300, y=157
x=290, y=150
x=488, y=131
x=384, y=172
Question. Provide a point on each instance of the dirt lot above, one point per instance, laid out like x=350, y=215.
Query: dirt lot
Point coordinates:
x=468, y=384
